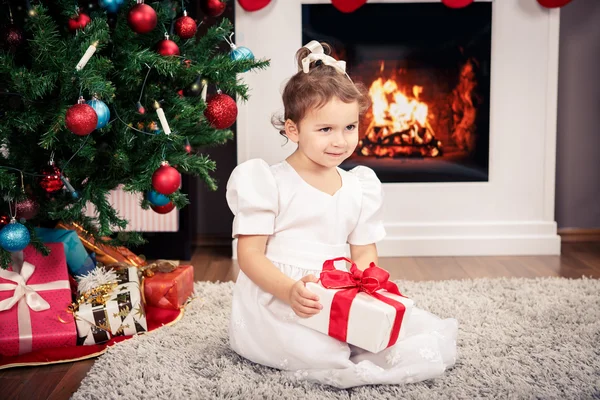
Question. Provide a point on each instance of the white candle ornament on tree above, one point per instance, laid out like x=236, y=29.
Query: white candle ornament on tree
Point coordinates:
x=86, y=56
x=162, y=118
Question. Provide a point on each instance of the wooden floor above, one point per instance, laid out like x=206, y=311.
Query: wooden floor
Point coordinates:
x=577, y=259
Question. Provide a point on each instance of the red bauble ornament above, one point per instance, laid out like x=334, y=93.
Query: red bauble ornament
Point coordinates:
x=348, y=6
x=79, y=22
x=213, y=8
x=253, y=5
x=142, y=18
x=50, y=180
x=167, y=47
x=221, y=111
x=167, y=208
x=12, y=37
x=4, y=220
x=188, y=146
x=554, y=3
x=27, y=208
x=457, y=3
x=166, y=179
x=185, y=27
x=81, y=118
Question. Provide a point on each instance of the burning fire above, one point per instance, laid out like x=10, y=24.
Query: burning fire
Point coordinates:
x=464, y=108
x=401, y=123
x=403, y=112
x=399, y=126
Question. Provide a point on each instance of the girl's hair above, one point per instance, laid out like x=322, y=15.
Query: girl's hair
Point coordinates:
x=314, y=89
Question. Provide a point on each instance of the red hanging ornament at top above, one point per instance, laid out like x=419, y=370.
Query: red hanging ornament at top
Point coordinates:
x=221, y=111
x=457, y=3
x=11, y=36
x=50, y=180
x=167, y=47
x=185, y=27
x=142, y=18
x=348, y=6
x=81, y=118
x=554, y=3
x=79, y=21
x=253, y=5
x=166, y=179
x=213, y=8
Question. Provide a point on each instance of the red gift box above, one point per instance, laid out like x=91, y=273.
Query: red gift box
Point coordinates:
x=33, y=303
x=169, y=290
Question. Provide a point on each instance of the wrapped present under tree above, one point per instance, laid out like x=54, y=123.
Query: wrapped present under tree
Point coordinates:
x=34, y=303
x=114, y=308
x=78, y=259
x=167, y=284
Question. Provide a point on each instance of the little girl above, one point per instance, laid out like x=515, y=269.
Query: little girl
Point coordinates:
x=292, y=216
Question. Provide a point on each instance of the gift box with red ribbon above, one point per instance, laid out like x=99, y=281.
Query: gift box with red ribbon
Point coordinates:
x=362, y=308
x=34, y=297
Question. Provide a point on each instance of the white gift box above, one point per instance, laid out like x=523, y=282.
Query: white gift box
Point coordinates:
x=370, y=322
x=122, y=315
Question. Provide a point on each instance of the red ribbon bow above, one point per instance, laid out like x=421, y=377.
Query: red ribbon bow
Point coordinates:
x=368, y=281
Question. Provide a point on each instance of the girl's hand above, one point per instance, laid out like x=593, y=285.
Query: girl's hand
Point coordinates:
x=304, y=302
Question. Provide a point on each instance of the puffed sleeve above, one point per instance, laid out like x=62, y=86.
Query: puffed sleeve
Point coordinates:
x=252, y=197
x=369, y=228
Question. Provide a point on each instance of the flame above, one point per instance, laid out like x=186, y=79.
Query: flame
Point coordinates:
x=402, y=125
x=394, y=109
x=464, y=108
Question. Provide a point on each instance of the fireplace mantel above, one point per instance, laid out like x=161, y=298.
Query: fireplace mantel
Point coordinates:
x=512, y=213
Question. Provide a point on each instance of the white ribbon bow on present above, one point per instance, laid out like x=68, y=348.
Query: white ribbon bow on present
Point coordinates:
x=317, y=53
x=26, y=297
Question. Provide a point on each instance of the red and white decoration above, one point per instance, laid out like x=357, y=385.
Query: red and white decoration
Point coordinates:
x=350, y=304
x=511, y=214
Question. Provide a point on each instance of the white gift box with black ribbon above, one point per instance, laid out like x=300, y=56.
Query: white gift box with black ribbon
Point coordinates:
x=123, y=314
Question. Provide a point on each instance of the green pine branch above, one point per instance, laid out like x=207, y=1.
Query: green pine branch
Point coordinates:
x=40, y=83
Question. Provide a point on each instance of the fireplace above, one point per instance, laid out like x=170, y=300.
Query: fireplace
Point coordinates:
x=427, y=69
x=431, y=208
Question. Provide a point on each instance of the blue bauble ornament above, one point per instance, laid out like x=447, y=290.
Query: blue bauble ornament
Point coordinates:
x=14, y=236
x=111, y=5
x=241, y=53
x=101, y=110
x=157, y=199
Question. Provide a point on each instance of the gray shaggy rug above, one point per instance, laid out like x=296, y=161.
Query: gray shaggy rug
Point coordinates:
x=518, y=338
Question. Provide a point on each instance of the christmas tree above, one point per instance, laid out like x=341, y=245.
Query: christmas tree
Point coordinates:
x=91, y=100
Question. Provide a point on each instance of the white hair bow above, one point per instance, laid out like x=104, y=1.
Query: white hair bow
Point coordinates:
x=317, y=53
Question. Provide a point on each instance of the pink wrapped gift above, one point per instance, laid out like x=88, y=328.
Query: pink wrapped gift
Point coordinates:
x=33, y=303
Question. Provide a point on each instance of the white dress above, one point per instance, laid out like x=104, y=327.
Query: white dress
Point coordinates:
x=307, y=226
